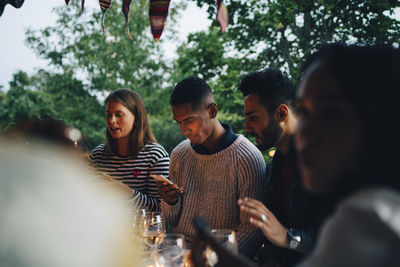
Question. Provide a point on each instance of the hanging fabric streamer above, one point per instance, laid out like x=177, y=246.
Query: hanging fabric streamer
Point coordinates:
x=158, y=14
x=125, y=10
x=222, y=15
x=67, y=2
x=83, y=4
x=104, y=5
x=14, y=3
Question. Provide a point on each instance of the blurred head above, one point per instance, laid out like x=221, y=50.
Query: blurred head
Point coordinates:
x=346, y=107
x=126, y=118
x=194, y=109
x=268, y=96
x=52, y=215
x=55, y=132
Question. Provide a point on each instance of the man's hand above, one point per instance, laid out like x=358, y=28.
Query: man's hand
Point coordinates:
x=264, y=219
x=169, y=193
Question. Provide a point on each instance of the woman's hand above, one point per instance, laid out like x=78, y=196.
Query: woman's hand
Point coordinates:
x=264, y=219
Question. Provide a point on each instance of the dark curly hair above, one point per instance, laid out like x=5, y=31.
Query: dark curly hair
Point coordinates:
x=191, y=90
x=272, y=87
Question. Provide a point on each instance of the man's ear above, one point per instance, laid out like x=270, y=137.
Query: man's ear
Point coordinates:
x=213, y=110
x=281, y=112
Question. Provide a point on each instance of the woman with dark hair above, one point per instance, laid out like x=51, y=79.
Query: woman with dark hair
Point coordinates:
x=131, y=153
x=348, y=146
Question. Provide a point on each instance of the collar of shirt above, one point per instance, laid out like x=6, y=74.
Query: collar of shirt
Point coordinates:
x=229, y=138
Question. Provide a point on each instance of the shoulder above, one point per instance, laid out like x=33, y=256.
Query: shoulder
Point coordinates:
x=380, y=203
x=181, y=147
x=98, y=151
x=246, y=149
x=357, y=235
x=154, y=149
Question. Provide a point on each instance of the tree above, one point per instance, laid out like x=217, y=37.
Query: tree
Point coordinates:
x=277, y=34
x=280, y=33
x=57, y=96
x=86, y=62
x=20, y=103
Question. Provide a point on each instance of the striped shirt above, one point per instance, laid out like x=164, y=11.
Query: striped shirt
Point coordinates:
x=135, y=172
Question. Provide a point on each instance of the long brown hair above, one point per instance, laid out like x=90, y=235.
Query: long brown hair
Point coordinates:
x=140, y=134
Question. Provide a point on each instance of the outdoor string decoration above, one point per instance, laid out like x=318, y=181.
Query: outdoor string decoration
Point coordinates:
x=104, y=6
x=14, y=3
x=82, y=3
x=158, y=13
x=222, y=15
x=125, y=10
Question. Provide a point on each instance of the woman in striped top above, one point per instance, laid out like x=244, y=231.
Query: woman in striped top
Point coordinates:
x=131, y=152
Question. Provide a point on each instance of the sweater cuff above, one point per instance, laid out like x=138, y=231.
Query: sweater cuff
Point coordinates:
x=171, y=212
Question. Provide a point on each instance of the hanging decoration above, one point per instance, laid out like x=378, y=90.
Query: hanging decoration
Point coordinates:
x=222, y=15
x=82, y=3
x=158, y=13
x=104, y=5
x=14, y=3
x=125, y=10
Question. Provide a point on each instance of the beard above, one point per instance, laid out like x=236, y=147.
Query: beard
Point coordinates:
x=270, y=135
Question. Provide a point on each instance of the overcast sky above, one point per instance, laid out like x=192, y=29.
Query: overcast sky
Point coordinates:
x=15, y=55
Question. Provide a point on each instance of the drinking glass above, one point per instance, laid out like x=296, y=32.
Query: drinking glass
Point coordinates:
x=138, y=218
x=225, y=237
x=150, y=227
x=170, y=250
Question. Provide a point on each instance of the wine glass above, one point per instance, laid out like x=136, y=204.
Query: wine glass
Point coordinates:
x=170, y=250
x=225, y=237
x=150, y=227
x=138, y=217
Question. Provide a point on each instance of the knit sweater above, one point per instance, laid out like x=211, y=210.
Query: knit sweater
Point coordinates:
x=212, y=186
x=135, y=172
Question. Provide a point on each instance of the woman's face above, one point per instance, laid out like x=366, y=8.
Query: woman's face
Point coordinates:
x=119, y=120
x=329, y=138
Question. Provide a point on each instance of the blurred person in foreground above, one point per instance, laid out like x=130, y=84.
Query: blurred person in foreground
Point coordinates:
x=58, y=134
x=52, y=215
x=131, y=153
x=291, y=216
x=347, y=147
x=214, y=167
x=48, y=130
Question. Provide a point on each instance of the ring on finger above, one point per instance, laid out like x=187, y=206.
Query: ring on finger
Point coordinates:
x=263, y=218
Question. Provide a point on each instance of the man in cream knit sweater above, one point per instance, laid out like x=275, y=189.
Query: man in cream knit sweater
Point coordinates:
x=211, y=169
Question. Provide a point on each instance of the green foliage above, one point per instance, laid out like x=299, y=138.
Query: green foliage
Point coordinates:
x=109, y=60
x=166, y=131
x=87, y=64
x=279, y=33
x=57, y=96
x=21, y=103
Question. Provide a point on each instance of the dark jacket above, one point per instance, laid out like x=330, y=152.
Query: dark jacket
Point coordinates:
x=307, y=212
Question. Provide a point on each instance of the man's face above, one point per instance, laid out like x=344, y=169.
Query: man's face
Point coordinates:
x=195, y=125
x=260, y=124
